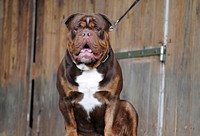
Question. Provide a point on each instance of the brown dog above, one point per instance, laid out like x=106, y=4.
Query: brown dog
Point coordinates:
x=90, y=81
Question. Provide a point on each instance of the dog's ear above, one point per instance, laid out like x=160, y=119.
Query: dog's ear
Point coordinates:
x=108, y=20
x=67, y=21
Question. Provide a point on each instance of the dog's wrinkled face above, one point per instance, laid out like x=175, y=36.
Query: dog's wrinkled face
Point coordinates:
x=88, y=38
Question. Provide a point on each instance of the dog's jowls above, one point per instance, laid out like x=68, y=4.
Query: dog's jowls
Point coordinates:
x=89, y=81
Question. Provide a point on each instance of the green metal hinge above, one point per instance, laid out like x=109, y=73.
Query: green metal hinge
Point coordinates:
x=159, y=51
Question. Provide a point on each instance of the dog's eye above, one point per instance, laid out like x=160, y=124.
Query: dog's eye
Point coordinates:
x=76, y=28
x=73, y=34
x=74, y=31
x=97, y=28
x=101, y=34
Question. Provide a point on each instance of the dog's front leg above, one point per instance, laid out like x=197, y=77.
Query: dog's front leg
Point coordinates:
x=109, y=100
x=66, y=107
x=120, y=117
x=68, y=114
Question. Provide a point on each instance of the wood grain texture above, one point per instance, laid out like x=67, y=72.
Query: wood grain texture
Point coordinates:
x=141, y=28
x=182, y=70
x=15, y=63
x=141, y=80
x=49, y=52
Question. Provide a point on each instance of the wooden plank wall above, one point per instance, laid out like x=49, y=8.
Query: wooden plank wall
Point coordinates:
x=50, y=48
x=15, y=66
x=141, y=88
x=182, y=103
x=141, y=28
x=142, y=75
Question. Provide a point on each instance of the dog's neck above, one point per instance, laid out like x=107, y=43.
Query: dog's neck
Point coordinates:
x=107, y=55
x=83, y=67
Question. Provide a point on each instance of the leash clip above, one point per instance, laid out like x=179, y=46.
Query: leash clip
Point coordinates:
x=113, y=26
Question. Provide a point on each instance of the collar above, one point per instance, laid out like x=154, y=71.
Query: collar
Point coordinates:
x=105, y=58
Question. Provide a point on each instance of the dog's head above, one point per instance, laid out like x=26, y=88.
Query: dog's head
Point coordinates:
x=88, y=38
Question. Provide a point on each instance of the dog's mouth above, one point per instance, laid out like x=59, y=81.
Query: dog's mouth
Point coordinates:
x=87, y=55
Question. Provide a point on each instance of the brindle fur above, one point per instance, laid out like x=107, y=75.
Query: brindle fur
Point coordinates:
x=114, y=117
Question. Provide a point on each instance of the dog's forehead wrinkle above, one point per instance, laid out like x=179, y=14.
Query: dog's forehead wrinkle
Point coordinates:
x=88, y=20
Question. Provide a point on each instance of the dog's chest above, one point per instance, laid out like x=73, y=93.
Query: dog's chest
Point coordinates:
x=88, y=83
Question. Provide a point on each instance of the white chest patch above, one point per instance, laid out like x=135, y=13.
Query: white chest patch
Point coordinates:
x=89, y=84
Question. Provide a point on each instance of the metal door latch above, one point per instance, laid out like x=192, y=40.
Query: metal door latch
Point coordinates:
x=162, y=53
x=159, y=51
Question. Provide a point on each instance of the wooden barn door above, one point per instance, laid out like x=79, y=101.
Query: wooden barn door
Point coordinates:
x=138, y=38
x=16, y=46
x=141, y=29
x=33, y=42
x=182, y=97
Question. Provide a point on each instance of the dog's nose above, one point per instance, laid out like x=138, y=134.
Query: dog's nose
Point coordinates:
x=86, y=33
